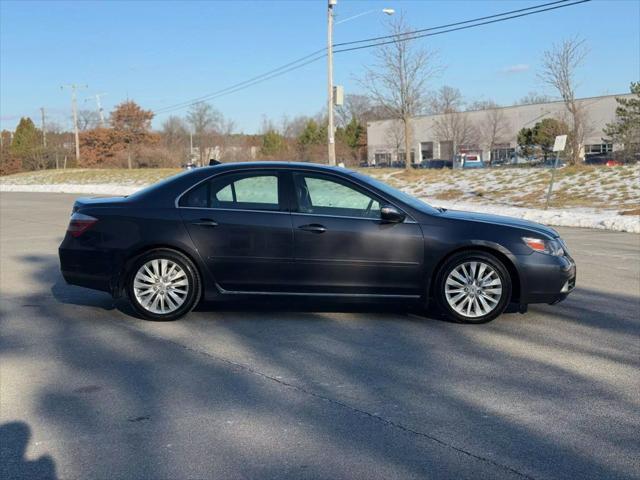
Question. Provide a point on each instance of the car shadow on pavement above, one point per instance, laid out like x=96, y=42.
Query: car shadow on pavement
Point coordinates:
x=365, y=385
x=14, y=440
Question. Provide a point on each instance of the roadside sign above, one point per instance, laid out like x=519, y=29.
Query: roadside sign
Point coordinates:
x=558, y=145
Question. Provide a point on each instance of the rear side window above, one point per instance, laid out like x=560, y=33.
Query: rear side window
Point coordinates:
x=243, y=192
x=196, y=197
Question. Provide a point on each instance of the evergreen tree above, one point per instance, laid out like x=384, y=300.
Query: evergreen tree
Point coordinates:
x=545, y=132
x=626, y=128
x=272, y=143
x=26, y=145
x=311, y=136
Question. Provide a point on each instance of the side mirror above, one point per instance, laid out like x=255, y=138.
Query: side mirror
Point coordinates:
x=390, y=214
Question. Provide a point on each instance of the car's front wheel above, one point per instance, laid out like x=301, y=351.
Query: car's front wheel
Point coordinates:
x=473, y=287
x=163, y=285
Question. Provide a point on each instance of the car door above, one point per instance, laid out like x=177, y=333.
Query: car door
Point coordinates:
x=343, y=247
x=241, y=225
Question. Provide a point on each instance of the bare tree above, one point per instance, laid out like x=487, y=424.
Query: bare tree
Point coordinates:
x=292, y=128
x=224, y=141
x=175, y=137
x=494, y=129
x=88, y=120
x=452, y=124
x=395, y=135
x=481, y=104
x=535, y=97
x=445, y=99
x=204, y=119
x=397, y=80
x=359, y=107
x=559, y=66
x=457, y=128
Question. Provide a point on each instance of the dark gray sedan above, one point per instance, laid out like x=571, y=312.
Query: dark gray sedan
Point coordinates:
x=297, y=229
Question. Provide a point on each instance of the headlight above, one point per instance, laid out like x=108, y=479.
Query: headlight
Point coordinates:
x=550, y=247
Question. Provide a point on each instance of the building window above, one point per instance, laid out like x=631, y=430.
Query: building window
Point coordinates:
x=598, y=148
x=382, y=159
x=402, y=156
x=426, y=149
x=502, y=155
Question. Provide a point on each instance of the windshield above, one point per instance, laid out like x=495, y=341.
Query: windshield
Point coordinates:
x=399, y=194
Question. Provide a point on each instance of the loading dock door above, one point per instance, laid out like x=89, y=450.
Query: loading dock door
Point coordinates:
x=446, y=150
x=426, y=149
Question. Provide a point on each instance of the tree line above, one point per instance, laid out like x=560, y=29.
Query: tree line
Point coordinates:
x=395, y=86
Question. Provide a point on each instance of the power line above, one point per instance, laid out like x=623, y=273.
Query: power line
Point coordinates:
x=288, y=67
x=404, y=37
x=321, y=53
x=473, y=20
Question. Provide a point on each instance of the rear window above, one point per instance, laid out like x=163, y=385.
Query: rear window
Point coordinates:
x=242, y=192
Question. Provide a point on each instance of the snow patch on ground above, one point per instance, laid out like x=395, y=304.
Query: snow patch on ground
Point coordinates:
x=570, y=217
x=88, y=188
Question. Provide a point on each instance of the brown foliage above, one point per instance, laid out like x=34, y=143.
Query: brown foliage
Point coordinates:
x=123, y=143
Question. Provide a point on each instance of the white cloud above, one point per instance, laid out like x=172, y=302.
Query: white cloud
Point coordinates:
x=518, y=68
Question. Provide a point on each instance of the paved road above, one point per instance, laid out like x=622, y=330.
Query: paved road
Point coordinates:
x=261, y=391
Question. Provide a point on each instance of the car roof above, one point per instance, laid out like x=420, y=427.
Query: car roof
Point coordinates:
x=271, y=164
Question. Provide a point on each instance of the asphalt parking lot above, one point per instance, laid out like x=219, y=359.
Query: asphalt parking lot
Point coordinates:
x=312, y=391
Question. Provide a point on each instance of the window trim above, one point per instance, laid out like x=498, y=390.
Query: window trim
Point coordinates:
x=382, y=200
x=278, y=173
x=286, y=174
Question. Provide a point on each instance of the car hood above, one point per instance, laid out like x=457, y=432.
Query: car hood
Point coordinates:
x=500, y=220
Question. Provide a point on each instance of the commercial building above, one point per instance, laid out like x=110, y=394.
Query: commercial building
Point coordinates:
x=490, y=134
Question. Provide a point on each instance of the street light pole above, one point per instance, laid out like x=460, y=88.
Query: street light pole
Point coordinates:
x=331, y=142
x=330, y=132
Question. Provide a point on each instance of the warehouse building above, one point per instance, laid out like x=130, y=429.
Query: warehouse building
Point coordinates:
x=488, y=134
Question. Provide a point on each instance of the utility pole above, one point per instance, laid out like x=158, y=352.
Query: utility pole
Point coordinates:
x=100, y=109
x=190, y=146
x=330, y=132
x=74, y=108
x=44, y=131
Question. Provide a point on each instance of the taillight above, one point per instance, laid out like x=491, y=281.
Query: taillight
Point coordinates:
x=79, y=222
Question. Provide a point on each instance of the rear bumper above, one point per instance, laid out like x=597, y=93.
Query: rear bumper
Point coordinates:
x=545, y=278
x=87, y=268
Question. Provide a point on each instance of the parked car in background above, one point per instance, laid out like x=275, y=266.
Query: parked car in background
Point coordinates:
x=599, y=158
x=296, y=229
x=551, y=162
x=614, y=163
x=469, y=160
x=435, y=163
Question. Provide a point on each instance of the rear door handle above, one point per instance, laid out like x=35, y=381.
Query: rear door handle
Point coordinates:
x=205, y=222
x=313, y=227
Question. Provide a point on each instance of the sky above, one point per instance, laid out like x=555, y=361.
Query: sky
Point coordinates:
x=162, y=53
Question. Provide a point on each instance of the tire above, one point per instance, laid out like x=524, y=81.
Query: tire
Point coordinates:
x=163, y=285
x=487, y=283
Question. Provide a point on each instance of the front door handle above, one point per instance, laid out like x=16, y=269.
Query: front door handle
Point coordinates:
x=205, y=222
x=313, y=227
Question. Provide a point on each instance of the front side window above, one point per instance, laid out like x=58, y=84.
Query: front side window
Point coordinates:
x=255, y=192
x=323, y=196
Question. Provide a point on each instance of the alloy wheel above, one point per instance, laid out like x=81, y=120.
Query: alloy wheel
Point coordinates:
x=473, y=289
x=161, y=286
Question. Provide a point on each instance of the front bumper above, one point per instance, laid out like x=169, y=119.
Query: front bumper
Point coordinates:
x=545, y=278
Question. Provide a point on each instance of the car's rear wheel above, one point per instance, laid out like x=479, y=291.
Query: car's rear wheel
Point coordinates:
x=473, y=287
x=163, y=285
